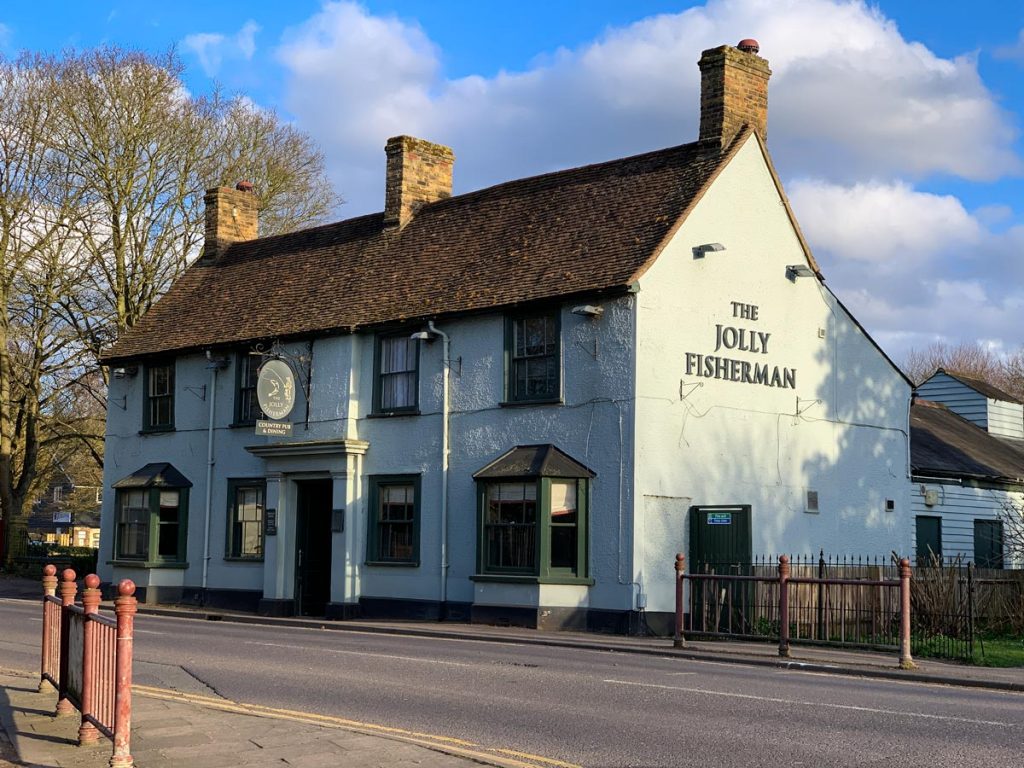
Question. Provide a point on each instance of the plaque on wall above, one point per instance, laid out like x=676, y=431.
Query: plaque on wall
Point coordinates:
x=270, y=529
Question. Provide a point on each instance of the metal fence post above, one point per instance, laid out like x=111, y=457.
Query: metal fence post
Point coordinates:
x=821, y=595
x=68, y=588
x=87, y=732
x=679, y=641
x=125, y=606
x=49, y=590
x=970, y=612
x=784, y=606
x=906, y=662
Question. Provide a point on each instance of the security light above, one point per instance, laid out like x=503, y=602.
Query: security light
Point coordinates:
x=700, y=250
x=588, y=310
x=422, y=336
x=793, y=271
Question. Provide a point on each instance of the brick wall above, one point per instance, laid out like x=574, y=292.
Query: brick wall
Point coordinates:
x=419, y=172
x=734, y=92
x=231, y=215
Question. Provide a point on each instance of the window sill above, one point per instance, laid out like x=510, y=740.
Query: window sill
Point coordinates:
x=392, y=414
x=148, y=564
x=393, y=563
x=518, y=578
x=155, y=430
x=527, y=403
x=236, y=559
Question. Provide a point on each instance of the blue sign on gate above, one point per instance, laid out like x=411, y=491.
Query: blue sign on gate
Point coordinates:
x=719, y=518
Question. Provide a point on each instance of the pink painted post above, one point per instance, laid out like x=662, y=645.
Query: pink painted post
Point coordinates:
x=49, y=589
x=68, y=588
x=906, y=662
x=784, y=606
x=125, y=606
x=87, y=732
x=679, y=641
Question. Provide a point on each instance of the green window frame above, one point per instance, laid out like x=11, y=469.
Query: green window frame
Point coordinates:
x=151, y=525
x=245, y=537
x=158, y=405
x=534, y=527
x=396, y=374
x=247, y=408
x=988, y=543
x=533, y=357
x=393, y=533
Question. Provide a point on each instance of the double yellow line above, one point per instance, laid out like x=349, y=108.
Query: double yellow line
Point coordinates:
x=506, y=758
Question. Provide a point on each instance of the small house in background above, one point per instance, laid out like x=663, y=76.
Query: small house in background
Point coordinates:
x=967, y=454
x=66, y=515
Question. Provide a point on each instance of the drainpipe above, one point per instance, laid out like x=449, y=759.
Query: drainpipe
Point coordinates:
x=213, y=366
x=445, y=372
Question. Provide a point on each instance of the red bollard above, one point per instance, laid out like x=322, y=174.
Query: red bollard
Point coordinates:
x=679, y=641
x=125, y=606
x=88, y=734
x=784, y=606
x=49, y=589
x=68, y=588
x=906, y=662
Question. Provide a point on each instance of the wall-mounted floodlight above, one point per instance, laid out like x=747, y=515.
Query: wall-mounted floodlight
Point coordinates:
x=700, y=250
x=793, y=271
x=126, y=372
x=422, y=336
x=588, y=310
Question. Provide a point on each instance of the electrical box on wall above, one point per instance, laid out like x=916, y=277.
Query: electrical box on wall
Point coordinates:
x=931, y=497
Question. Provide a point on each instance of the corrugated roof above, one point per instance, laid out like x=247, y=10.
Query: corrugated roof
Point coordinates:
x=594, y=228
x=941, y=442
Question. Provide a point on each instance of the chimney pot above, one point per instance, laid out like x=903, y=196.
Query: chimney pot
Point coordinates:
x=244, y=186
x=232, y=215
x=748, y=45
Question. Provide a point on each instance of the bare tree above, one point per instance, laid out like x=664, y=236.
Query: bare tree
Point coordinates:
x=974, y=360
x=105, y=160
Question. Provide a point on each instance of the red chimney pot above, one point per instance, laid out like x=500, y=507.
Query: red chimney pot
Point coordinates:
x=748, y=45
x=244, y=186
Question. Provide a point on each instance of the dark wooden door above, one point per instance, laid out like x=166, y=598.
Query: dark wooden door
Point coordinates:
x=720, y=543
x=313, y=547
x=929, y=539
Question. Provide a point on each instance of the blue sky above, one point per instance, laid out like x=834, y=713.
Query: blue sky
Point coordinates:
x=896, y=126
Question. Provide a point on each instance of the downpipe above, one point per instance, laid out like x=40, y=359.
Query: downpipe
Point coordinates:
x=213, y=365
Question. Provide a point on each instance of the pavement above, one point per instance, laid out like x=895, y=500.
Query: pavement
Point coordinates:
x=170, y=728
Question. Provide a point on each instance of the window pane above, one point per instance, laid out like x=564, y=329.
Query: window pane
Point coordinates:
x=133, y=524
x=247, y=523
x=533, y=371
x=168, y=540
x=397, y=376
x=563, y=546
x=510, y=522
x=396, y=511
x=563, y=501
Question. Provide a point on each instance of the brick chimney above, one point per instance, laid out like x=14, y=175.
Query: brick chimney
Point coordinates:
x=733, y=92
x=419, y=172
x=231, y=215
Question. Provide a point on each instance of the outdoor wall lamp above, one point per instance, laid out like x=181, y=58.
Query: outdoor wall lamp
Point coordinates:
x=700, y=250
x=125, y=372
x=793, y=271
x=422, y=336
x=588, y=310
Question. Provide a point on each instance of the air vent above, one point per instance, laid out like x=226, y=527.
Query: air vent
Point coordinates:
x=812, y=501
x=890, y=505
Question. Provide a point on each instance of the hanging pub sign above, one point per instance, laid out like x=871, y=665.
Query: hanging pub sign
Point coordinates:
x=275, y=389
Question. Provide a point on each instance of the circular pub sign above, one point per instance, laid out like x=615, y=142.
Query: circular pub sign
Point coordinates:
x=275, y=389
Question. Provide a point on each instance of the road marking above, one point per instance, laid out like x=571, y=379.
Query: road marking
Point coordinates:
x=147, y=632
x=850, y=707
x=679, y=674
x=448, y=744
x=363, y=653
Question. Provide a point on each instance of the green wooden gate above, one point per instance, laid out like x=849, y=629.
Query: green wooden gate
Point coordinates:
x=721, y=543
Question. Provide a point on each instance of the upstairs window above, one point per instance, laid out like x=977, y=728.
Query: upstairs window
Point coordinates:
x=247, y=409
x=159, y=397
x=396, y=380
x=533, y=353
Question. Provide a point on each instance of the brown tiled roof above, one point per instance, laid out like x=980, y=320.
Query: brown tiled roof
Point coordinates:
x=988, y=390
x=587, y=229
x=943, y=443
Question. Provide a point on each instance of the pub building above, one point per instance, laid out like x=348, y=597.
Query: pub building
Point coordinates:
x=510, y=405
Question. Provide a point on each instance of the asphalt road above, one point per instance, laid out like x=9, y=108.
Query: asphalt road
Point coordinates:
x=588, y=707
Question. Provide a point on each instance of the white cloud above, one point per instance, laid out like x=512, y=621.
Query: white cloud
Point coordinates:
x=213, y=49
x=850, y=99
x=1014, y=52
x=904, y=259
